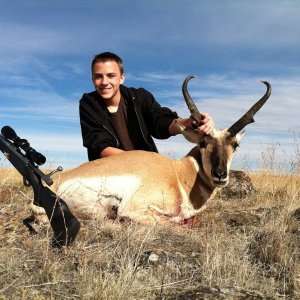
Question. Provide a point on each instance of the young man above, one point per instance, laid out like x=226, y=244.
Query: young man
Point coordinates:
x=115, y=118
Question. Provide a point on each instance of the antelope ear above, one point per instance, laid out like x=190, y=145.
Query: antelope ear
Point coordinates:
x=191, y=135
x=240, y=135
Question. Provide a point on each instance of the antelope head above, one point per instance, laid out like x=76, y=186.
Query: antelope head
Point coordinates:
x=217, y=148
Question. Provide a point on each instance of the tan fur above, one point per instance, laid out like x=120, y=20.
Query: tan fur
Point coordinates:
x=160, y=192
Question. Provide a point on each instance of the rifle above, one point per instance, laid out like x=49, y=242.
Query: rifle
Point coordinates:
x=27, y=161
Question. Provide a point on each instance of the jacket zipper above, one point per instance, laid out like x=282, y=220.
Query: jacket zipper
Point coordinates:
x=112, y=134
x=137, y=116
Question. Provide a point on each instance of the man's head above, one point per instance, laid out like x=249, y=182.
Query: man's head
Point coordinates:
x=108, y=75
x=108, y=56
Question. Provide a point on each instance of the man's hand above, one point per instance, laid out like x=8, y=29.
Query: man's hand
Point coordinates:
x=206, y=126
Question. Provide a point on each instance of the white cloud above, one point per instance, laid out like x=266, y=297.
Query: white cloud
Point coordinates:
x=36, y=104
x=254, y=152
x=31, y=39
x=227, y=98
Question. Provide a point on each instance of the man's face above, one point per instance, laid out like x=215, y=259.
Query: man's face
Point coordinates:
x=107, y=78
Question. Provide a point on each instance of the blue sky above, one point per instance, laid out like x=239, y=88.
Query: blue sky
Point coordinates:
x=47, y=46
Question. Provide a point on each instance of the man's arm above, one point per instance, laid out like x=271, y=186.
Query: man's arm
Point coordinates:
x=98, y=140
x=108, y=151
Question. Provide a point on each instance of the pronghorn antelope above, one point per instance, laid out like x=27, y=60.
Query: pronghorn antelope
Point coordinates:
x=148, y=187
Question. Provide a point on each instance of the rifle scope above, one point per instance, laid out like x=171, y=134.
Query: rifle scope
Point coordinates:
x=30, y=153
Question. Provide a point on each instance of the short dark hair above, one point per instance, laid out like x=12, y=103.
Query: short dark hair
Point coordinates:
x=108, y=56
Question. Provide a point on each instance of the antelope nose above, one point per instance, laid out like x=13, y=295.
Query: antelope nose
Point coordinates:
x=220, y=174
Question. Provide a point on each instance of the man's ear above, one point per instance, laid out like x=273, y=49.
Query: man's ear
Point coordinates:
x=192, y=135
x=122, y=78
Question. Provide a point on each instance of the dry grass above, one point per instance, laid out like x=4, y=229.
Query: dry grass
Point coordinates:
x=252, y=243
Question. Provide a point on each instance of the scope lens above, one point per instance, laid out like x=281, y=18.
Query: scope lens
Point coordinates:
x=36, y=157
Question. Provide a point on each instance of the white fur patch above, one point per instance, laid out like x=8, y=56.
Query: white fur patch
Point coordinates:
x=94, y=191
x=187, y=209
x=219, y=133
x=195, y=163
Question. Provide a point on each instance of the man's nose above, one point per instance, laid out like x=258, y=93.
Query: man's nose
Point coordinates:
x=104, y=80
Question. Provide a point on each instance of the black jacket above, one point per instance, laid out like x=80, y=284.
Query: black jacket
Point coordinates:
x=151, y=119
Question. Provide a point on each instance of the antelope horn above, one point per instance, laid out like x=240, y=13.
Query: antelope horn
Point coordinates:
x=247, y=118
x=190, y=103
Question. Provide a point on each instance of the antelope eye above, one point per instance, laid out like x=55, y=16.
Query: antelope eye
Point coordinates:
x=202, y=144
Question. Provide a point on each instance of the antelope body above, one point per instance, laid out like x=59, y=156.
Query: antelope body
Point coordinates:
x=148, y=187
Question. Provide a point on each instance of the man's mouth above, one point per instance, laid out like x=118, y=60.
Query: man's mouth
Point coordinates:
x=104, y=90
